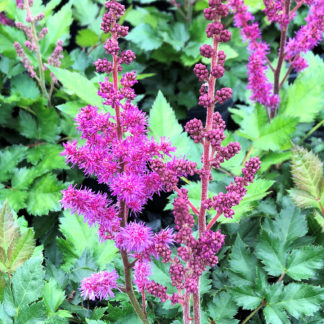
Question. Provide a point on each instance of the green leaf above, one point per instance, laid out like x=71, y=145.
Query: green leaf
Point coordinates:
x=163, y=123
x=46, y=126
x=85, y=12
x=24, y=86
x=53, y=296
x=242, y=264
x=297, y=300
x=276, y=133
x=86, y=38
x=9, y=159
x=80, y=237
x=245, y=297
x=31, y=314
x=302, y=263
x=44, y=195
x=28, y=282
x=307, y=173
x=46, y=157
x=79, y=85
x=176, y=35
x=305, y=97
x=145, y=37
x=222, y=308
x=272, y=253
x=289, y=225
x=62, y=21
x=21, y=250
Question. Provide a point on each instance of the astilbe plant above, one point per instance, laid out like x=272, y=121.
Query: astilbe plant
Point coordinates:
x=119, y=153
x=32, y=45
x=290, y=50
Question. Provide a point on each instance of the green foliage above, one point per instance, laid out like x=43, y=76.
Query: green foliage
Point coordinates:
x=304, y=99
x=16, y=246
x=79, y=237
x=307, y=174
x=163, y=123
x=282, y=251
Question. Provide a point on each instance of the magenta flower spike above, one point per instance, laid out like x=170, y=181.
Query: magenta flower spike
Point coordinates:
x=290, y=50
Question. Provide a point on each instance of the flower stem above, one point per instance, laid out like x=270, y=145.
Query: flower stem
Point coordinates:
x=186, y=309
x=283, y=38
x=213, y=221
x=41, y=82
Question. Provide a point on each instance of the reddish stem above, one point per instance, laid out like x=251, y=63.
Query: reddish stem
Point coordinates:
x=186, y=309
x=213, y=221
x=194, y=209
x=143, y=302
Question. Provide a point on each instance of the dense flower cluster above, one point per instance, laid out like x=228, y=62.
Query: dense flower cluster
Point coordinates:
x=99, y=285
x=308, y=36
x=118, y=152
x=258, y=82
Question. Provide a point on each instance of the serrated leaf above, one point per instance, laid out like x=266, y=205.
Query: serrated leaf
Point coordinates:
x=44, y=195
x=145, y=37
x=22, y=178
x=307, y=173
x=163, y=123
x=301, y=299
x=9, y=159
x=79, y=85
x=28, y=282
x=79, y=236
x=62, y=21
x=21, y=250
x=9, y=231
x=272, y=253
x=242, y=264
x=289, y=225
x=31, y=314
x=222, y=308
x=53, y=296
x=305, y=97
x=86, y=38
x=245, y=297
x=276, y=133
x=302, y=263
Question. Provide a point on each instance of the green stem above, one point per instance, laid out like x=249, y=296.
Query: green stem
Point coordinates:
x=253, y=313
x=317, y=126
x=247, y=155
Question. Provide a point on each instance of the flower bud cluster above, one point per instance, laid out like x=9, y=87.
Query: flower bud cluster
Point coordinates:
x=215, y=30
x=223, y=202
x=196, y=253
x=32, y=42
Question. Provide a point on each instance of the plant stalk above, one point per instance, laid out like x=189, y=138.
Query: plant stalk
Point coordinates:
x=41, y=82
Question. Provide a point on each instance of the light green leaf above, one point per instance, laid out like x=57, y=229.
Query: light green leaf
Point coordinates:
x=53, y=296
x=85, y=12
x=163, y=123
x=79, y=85
x=9, y=159
x=176, y=36
x=305, y=97
x=86, y=38
x=145, y=37
x=80, y=236
x=44, y=195
x=62, y=21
